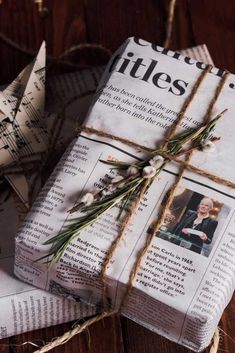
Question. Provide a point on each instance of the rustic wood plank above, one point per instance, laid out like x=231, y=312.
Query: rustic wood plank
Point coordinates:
x=19, y=21
x=104, y=336
x=213, y=23
x=138, y=339
x=4, y=345
x=182, y=33
x=112, y=22
x=64, y=25
x=227, y=324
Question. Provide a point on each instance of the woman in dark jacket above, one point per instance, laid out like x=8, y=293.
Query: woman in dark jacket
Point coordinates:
x=199, y=221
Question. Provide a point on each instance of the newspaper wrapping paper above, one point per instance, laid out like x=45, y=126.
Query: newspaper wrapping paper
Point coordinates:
x=180, y=292
x=24, y=307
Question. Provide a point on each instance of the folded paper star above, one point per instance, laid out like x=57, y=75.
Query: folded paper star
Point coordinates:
x=23, y=136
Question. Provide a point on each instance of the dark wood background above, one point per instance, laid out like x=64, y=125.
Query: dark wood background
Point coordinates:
x=65, y=23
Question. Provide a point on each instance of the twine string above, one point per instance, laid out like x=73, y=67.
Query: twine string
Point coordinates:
x=171, y=131
x=123, y=229
x=187, y=165
x=170, y=195
x=40, y=5
x=69, y=334
x=170, y=19
x=215, y=341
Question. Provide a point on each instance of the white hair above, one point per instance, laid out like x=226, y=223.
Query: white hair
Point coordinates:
x=210, y=202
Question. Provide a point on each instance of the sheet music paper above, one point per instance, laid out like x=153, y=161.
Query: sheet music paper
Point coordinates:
x=22, y=130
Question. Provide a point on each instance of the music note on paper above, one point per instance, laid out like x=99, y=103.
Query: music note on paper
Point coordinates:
x=22, y=129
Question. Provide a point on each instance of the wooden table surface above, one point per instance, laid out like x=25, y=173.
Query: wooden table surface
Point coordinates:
x=66, y=23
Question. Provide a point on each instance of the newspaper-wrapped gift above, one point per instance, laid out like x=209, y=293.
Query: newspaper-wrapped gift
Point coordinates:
x=186, y=277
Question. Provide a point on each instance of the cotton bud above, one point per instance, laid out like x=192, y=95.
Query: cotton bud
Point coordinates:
x=208, y=146
x=148, y=172
x=156, y=161
x=87, y=199
x=132, y=170
x=106, y=191
x=116, y=179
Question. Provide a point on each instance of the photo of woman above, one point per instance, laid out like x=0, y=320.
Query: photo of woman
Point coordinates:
x=194, y=221
x=197, y=226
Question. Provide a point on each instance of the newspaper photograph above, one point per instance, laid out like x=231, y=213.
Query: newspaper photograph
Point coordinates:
x=195, y=221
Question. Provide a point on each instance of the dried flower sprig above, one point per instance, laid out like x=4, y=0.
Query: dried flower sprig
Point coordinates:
x=126, y=186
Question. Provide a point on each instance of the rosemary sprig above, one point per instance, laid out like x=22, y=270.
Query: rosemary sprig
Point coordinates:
x=124, y=189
